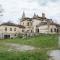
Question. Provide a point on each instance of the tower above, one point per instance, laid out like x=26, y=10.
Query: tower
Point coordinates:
x=23, y=15
x=34, y=15
x=43, y=15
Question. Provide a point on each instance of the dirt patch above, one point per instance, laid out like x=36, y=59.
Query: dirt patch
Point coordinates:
x=18, y=47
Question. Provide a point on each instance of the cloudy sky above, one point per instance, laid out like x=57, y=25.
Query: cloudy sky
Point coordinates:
x=13, y=9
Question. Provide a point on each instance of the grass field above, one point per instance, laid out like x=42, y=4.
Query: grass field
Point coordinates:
x=42, y=42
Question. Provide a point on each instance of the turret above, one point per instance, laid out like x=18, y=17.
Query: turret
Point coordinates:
x=34, y=15
x=23, y=15
x=43, y=15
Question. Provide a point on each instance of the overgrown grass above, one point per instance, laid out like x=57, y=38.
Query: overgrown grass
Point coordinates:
x=44, y=41
x=36, y=55
x=41, y=41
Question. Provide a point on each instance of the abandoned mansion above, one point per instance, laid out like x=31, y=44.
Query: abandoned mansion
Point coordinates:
x=35, y=25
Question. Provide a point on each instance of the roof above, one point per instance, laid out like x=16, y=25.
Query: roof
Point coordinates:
x=8, y=24
x=20, y=26
x=26, y=18
x=46, y=23
x=11, y=24
x=58, y=25
x=37, y=17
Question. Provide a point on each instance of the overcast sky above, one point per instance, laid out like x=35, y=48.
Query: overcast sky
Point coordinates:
x=13, y=9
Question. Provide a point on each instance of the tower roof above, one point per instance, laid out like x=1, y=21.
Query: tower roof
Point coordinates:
x=23, y=15
x=34, y=15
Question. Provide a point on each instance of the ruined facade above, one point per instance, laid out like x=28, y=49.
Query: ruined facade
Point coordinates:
x=38, y=24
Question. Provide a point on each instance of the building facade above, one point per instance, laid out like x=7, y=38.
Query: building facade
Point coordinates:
x=10, y=30
x=38, y=24
x=34, y=25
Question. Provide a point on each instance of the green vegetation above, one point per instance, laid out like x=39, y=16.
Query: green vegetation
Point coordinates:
x=36, y=55
x=42, y=42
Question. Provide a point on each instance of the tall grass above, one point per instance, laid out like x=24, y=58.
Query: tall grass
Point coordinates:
x=37, y=41
x=41, y=41
x=23, y=56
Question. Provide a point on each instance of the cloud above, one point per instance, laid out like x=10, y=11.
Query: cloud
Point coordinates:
x=13, y=8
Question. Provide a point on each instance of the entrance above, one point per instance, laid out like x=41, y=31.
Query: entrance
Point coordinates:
x=6, y=36
x=37, y=30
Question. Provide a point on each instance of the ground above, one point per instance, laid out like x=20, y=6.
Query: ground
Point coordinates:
x=31, y=48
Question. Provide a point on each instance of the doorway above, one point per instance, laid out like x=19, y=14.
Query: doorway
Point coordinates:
x=6, y=36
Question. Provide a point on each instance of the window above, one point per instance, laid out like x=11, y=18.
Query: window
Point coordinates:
x=15, y=34
x=28, y=24
x=31, y=31
x=10, y=29
x=54, y=29
x=14, y=29
x=57, y=30
x=51, y=30
x=37, y=30
x=22, y=30
x=5, y=28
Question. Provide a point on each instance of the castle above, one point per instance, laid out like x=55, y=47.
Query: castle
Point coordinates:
x=35, y=25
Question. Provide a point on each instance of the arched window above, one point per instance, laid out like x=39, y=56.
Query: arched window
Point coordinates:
x=28, y=24
x=5, y=28
x=14, y=29
x=10, y=29
x=37, y=30
x=55, y=30
x=22, y=30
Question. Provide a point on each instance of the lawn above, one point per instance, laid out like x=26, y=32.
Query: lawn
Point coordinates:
x=41, y=41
